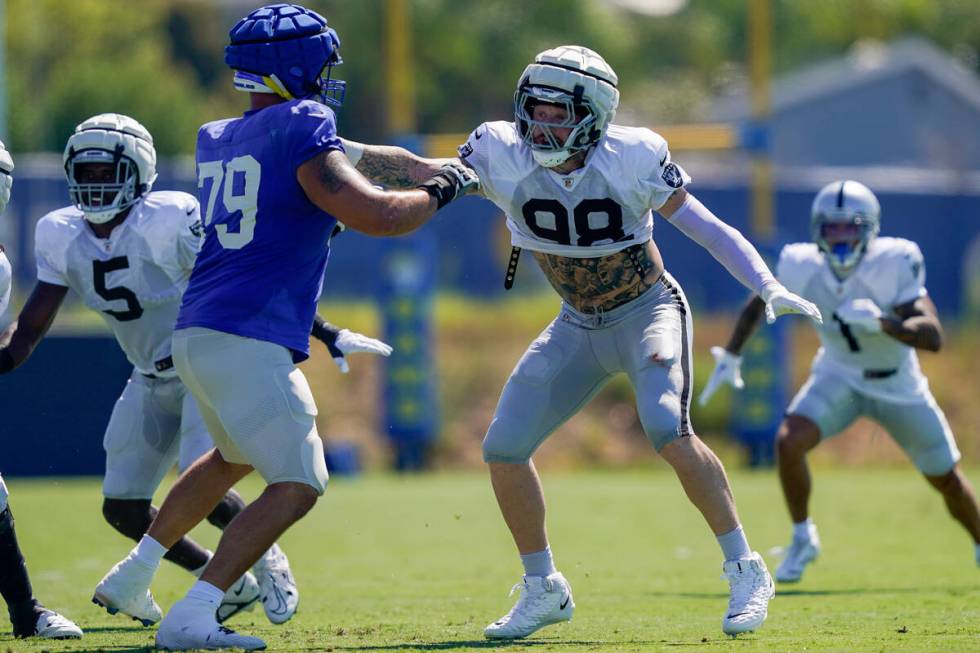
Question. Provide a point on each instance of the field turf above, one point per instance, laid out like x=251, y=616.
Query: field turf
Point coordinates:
x=422, y=563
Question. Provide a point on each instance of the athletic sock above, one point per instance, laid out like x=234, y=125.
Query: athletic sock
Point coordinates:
x=801, y=530
x=149, y=552
x=540, y=563
x=205, y=591
x=734, y=545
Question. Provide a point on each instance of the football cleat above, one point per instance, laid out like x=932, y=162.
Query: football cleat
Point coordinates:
x=191, y=624
x=280, y=597
x=751, y=588
x=51, y=625
x=126, y=589
x=242, y=595
x=544, y=600
x=800, y=553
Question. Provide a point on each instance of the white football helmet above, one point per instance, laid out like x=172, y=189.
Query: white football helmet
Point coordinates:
x=844, y=202
x=577, y=79
x=115, y=139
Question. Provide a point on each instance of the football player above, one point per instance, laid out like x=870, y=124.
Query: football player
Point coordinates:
x=274, y=183
x=128, y=252
x=579, y=193
x=27, y=616
x=871, y=292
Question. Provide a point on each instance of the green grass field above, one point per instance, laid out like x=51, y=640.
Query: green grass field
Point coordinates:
x=422, y=563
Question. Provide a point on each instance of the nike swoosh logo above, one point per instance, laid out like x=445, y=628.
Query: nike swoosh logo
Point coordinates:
x=190, y=211
x=565, y=604
x=240, y=589
x=663, y=161
x=478, y=135
x=732, y=616
x=280, y=602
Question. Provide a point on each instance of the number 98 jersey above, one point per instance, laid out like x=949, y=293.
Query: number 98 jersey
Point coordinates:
x=594, y=211
x=891, y=273
x=134, y=279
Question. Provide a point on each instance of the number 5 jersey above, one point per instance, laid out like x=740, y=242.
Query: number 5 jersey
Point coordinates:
x=135, y=278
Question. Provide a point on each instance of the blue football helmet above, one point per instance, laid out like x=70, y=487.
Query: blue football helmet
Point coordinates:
x=288, y=50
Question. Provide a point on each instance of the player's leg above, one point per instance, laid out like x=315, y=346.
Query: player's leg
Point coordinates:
x=657, y=356
x=267, y=410
x=272, y=577
x=823, y=407
x=27, y=616
x=141, y=444
x=922, y=431
x=556, y=376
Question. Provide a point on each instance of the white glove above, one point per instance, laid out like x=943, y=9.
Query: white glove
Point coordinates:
x=780, y=301
x=6, y=180
x=351, y=342
x=863, y=313
x=728, y=369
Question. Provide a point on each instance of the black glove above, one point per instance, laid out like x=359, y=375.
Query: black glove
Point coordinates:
x=451, y=181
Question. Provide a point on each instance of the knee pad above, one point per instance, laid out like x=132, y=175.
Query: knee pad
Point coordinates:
x=502, y=444
x=662, y=422
x=131, y=517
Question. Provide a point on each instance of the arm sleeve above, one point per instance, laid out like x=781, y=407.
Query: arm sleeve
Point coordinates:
x=726, y=244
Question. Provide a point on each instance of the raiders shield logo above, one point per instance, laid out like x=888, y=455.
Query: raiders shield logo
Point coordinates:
x=465, y=150
x=672, y=176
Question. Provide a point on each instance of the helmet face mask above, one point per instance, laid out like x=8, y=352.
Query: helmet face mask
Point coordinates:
x=572, y=78
x=110, y=163
x=844, y=219
x=287, y=50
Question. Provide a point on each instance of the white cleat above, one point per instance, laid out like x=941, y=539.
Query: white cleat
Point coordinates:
x=798, y=556
x=751, y=588
x=240, y=596
x=277, y=587
x=191, y=624
x=544, y=600
x=51, y=625
x=126, y=589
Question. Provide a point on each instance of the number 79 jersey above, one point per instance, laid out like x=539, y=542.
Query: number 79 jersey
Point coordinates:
x=134, y=279
x=260, y=269
x=597, y=210
x=891, y=273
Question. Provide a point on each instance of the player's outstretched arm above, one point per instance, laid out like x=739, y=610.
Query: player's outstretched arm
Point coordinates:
x=332, y=183
x=728, y=359
x=341, y=342
x=19, y=339
x=390, y=166
x=917, y=325
x=731, y=249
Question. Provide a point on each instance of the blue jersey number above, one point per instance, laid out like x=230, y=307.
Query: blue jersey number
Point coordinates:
x=222, y=177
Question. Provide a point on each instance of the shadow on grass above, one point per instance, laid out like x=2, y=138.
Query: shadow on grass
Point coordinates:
x=473, y=643
x=780, y=592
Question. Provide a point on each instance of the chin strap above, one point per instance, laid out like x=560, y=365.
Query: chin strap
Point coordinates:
x=515, y=256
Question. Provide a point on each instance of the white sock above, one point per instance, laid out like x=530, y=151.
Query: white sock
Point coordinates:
x=149, y=552
x=801, y=530
x=205, y=591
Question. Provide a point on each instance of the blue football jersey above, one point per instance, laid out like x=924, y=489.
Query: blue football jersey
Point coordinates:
x=260, y=270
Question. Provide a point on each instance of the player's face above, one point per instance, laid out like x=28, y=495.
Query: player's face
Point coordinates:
x=97, y=173
x=552, y=114
x=836, y=233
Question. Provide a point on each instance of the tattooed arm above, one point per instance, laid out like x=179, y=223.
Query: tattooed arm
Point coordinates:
x=390, y=166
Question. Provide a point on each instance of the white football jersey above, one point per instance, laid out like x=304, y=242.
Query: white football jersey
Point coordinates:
x=891, y=273
x=5, y=276
x=135, y=278
x=597, y=210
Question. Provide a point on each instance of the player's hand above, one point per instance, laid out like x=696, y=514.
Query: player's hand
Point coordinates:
x=728, y=369
x=6, y=178
x=780, y=301
x=862, y=313
x=450, y=182
x=351, y=342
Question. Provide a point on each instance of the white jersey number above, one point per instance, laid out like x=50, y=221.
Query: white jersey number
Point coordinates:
x=246, y=202
x=585, y=234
